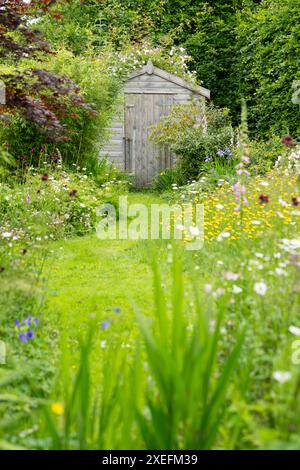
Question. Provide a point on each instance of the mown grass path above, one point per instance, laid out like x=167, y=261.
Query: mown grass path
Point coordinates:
x=93, y=278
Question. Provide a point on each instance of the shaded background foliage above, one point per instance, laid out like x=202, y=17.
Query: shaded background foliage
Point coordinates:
x=269, y=44
x=239, y=48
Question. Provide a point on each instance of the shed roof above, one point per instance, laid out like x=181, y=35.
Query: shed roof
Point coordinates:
x=150, y=69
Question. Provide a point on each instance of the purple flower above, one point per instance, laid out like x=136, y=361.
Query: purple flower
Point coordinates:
x=36, y=321
x=27, y=199
x=27, y=320
x=23, y=337
x=228, y=152
x=104, y=325
x=240, y=192
x=237, y=190
x=220, y=153
x=208, y=159
x=30, y=334
x=17, y=323
x=117, y=310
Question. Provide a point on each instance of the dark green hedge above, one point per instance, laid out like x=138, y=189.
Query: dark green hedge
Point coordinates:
x=268, y=41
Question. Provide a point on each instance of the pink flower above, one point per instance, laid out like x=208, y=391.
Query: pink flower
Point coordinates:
x=229, y=276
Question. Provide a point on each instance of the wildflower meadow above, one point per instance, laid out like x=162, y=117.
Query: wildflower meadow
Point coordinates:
x=177, y=329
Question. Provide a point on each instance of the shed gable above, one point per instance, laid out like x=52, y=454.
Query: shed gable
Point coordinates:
x=149, y=74
x=153, y=84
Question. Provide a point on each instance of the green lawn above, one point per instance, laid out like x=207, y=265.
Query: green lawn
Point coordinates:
x=89, y=278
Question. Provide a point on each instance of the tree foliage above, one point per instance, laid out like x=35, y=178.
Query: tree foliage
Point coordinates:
x=269, y=62
x=239, y=48
x=206, y=28
x=41, y=97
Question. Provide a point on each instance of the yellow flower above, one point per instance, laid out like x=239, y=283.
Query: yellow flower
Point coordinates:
x=57, y=408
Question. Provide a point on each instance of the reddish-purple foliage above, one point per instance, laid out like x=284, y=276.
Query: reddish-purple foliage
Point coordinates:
x=42, y=97
x=288, y=140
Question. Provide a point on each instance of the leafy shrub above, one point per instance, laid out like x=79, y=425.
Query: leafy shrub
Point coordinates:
x=86, y=131
x=41, y=97
x=104, y=171
x=196, y=135
x=121, y=22
x=172, y=59
x=263, y=155
x=168, y=179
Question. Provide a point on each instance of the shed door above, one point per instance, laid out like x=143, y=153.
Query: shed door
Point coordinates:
x=142, y=157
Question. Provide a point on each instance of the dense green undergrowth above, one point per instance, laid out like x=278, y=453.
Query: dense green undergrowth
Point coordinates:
x=113, y=344
x=146, y=339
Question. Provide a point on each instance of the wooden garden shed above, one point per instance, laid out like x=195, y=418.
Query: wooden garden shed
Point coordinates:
x=149, y=94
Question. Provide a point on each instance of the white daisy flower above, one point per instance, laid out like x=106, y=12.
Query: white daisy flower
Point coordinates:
x=260, y=288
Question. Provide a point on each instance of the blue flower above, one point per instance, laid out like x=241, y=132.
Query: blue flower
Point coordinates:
x=104, y=325
x=228, y=152
x=36, y=321
x=30, y=334
x=220, y=153
x=208, y=159
x=23, y=337
x=117, y=310
x=17, y=323
x=27, y=320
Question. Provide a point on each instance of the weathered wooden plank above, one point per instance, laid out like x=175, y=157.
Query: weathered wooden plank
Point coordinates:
x=138, y=91
x=116, y=140
x=183, y=96
x=116, y=127
x=166, y=87
x=112, y=154
x=113, y=151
